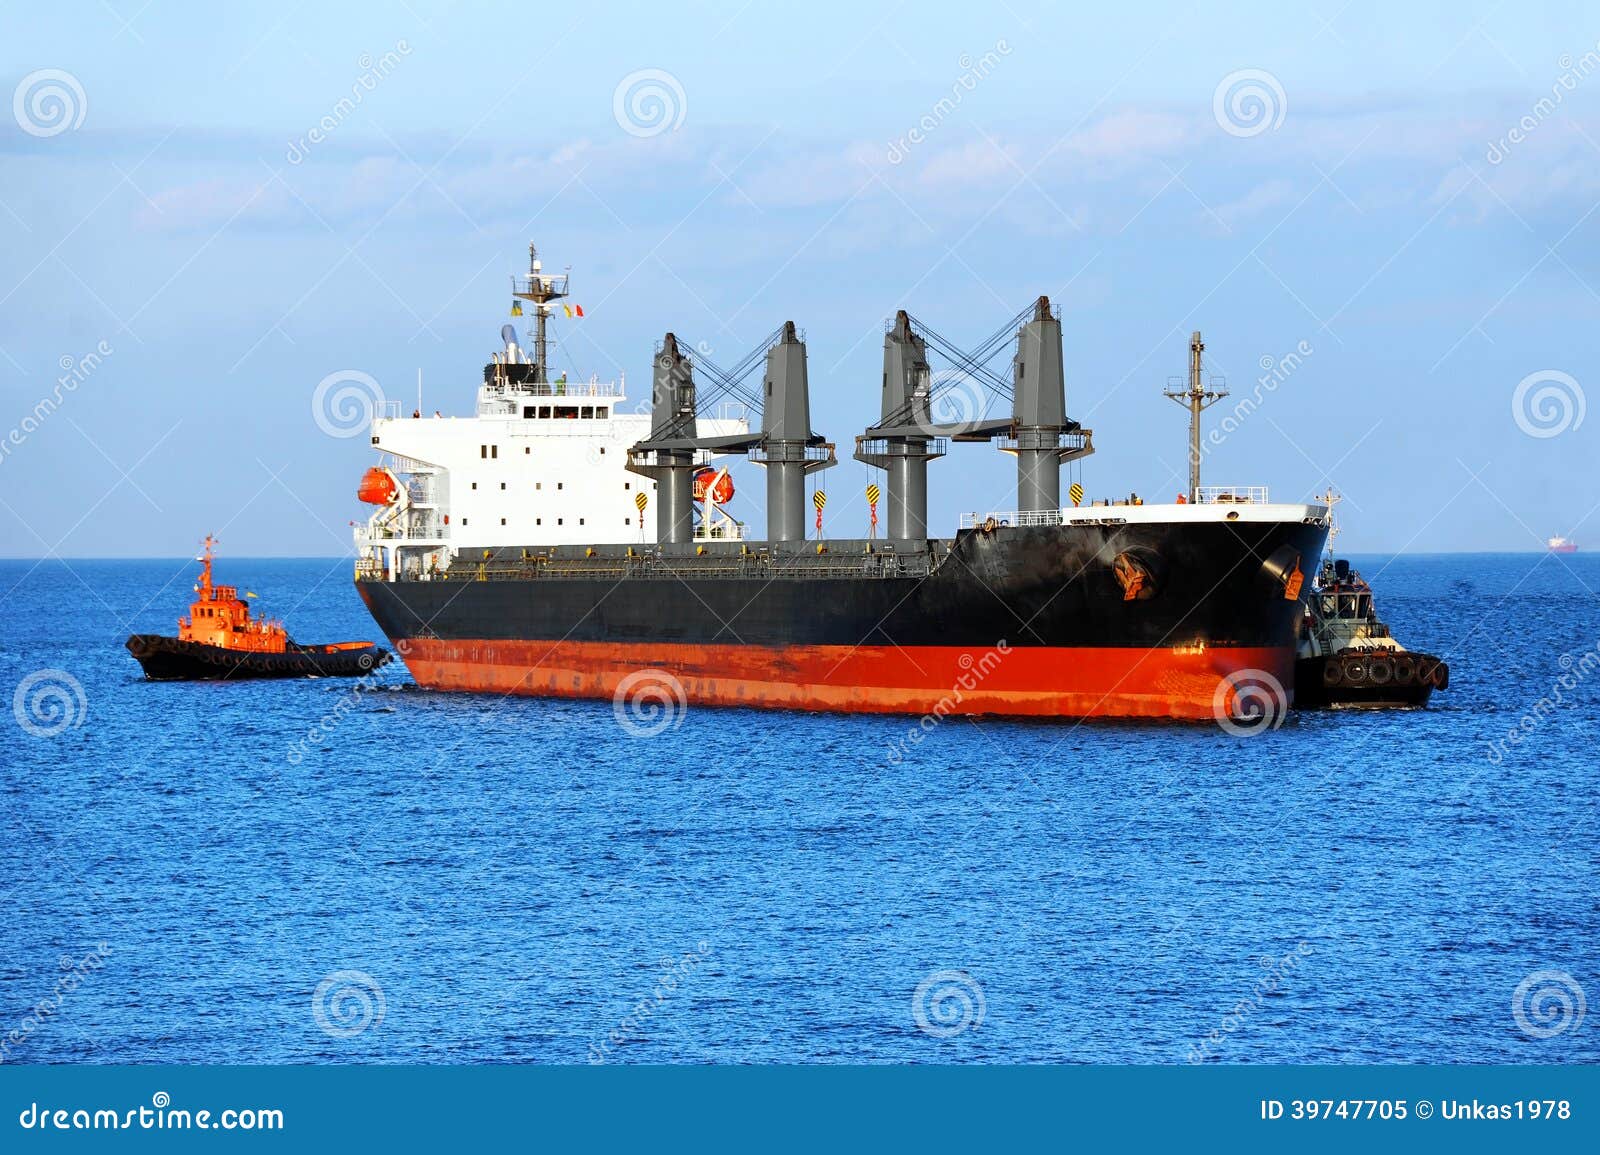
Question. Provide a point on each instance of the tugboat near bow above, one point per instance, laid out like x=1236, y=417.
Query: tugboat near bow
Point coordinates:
x=1347, y=656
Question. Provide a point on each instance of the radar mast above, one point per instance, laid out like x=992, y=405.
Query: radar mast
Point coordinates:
x=542, y=290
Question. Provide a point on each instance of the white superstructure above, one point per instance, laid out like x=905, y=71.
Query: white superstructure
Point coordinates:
x=540, y=462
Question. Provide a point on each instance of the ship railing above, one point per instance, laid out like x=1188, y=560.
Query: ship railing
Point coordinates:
x=825, y=452
x=401, y=464
x=1078, y=442
x=389, y=410
x=1231, y=495
x=513, y=391
x=879, y=446
x=538, y=285
x=733, y=532
x=1012, y=517
x=393, y=533
x=763, y=566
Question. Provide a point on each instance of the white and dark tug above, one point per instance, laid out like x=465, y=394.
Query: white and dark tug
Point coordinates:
x=1347, y=655
x=509, y=551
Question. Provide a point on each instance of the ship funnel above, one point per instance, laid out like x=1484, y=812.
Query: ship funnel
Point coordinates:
x=1039, y=410
x=787, y=443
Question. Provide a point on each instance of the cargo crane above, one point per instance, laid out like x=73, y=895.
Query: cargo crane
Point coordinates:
x=1038, y=431
x=785, y=445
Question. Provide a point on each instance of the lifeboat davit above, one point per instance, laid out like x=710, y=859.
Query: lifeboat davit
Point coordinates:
x=721, y=492
x=377, y=487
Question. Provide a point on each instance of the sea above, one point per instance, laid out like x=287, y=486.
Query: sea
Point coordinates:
x=362, y=871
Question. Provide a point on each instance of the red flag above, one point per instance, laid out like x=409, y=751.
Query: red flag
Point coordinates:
x=578, y=309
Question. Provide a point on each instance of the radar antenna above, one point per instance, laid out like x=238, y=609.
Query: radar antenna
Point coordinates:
x=541, y=289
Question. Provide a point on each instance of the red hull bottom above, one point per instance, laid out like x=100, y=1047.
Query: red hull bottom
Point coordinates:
x=1036, y=681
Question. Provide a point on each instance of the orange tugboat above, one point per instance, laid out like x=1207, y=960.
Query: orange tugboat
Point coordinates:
x=220, y=641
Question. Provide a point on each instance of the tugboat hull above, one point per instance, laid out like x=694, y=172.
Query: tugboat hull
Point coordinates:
x=1405, y=678
x=169, y=659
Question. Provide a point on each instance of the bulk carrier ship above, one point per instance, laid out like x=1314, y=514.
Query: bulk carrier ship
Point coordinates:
x=509, y=554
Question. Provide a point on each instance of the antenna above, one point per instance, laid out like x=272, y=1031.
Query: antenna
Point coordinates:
x=1196, y=399
x=1331, y=499
x=540, y=288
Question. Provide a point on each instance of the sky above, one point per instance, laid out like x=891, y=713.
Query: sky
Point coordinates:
x=1382, y=217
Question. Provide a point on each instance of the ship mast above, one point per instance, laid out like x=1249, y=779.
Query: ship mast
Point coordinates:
x=541, y=289
x=1195, y=399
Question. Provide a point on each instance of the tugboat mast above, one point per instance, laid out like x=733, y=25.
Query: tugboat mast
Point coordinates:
x=541, y=289
x=1196, y=399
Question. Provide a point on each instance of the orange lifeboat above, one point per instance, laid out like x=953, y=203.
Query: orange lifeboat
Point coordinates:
x=721, y=492
x=377, y=487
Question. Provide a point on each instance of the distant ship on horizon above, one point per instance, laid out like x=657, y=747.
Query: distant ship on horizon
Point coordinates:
x=1562, y=545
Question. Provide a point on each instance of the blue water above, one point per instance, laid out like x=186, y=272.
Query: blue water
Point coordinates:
x=523, y=880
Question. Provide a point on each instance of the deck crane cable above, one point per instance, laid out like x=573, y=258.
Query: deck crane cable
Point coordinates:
x=974, y=363
x=729, y=383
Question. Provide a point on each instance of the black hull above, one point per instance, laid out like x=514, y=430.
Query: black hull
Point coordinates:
x=168, y=659
x=801, y=632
